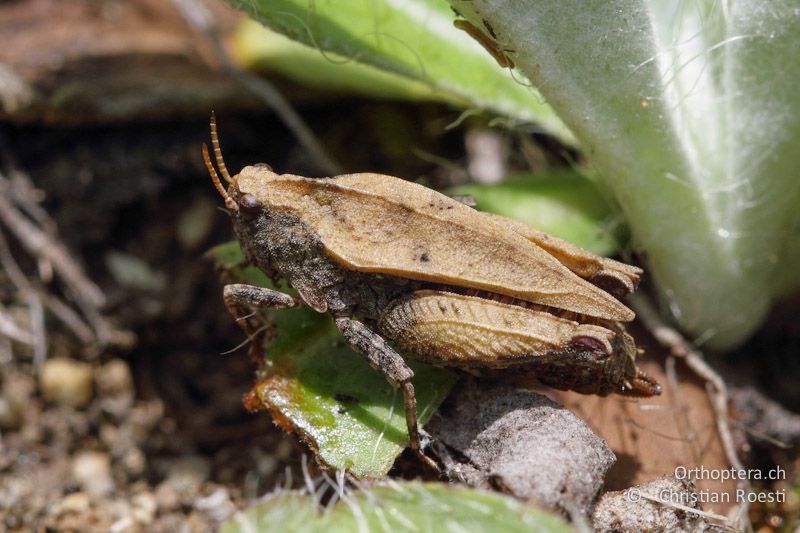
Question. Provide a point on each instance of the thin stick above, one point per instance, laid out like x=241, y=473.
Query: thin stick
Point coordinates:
x=715, y=385
x=10, y=329
x=762, y=436
x=69, y=318
x=38, y=333
x=41, y=245
x=48, y=250
x=26, y=196
x=197, y=16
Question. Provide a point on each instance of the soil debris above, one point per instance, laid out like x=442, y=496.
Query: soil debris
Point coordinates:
x=522, y=443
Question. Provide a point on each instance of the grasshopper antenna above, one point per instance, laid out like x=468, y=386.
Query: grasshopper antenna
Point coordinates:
x=217, y=150
x=229, y=203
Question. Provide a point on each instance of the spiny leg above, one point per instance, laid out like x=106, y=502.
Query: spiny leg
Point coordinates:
x=388, y=362
x=242, y=300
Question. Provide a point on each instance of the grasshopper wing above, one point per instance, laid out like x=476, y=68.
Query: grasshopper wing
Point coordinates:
x=376, y=223
x=612, y=276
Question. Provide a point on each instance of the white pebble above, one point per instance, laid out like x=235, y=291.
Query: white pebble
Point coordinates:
x=92, y=470
x=66, y=381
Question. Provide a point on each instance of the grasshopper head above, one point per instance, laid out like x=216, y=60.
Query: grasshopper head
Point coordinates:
x=237, y=202
x=242, y=206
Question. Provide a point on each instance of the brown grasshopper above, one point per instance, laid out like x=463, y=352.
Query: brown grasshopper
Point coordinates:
x=449, y=285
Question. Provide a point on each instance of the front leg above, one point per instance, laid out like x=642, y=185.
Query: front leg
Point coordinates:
x=388, y=362
x=243, y=300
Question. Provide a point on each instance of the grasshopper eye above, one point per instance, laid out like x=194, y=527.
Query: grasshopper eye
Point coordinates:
x=248, y=204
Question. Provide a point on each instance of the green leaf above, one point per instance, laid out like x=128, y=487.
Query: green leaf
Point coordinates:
x=410, y=506
x=691, y=114
x=259, y=48
x=326, y=393
x=562, y=203
x=415, y=39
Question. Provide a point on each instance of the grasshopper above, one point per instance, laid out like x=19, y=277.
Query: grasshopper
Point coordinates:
x=391, y=260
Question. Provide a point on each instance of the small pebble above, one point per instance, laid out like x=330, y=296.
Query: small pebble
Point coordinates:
x=143, y=508
x=217, y=505
x=114, y=377
x=66, y=381
x=115, y=388
x=123, y=525
x=77, y=502
x=92, y=470
x=134, y=462
x=167, y=497
x=186, y=474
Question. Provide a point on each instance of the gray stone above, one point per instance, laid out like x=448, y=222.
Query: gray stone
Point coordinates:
x=631, y=511
x=522, y=443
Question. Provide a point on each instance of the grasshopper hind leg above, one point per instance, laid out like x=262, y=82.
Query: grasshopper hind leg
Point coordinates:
x=388, y=362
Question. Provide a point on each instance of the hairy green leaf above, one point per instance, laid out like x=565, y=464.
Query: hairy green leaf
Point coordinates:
x=259, y=48
x=415, y=39
x=691, y=114
x=397, y=507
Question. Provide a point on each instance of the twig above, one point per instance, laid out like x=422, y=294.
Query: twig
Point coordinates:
x=36, y=296
x=197, y=16
x=39, y=244
x=14, y=273
x=28, y=197
x=69, y=318
x=762, y=436
x=34, y=230
x=715, y=386
x=10, y=329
